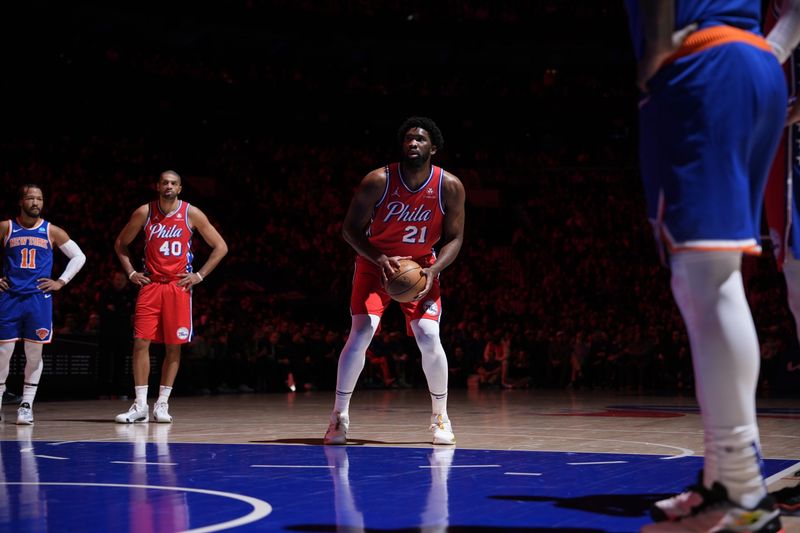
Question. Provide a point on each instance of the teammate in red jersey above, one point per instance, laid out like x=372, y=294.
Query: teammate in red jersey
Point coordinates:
x=401, y=211
x=164, y=305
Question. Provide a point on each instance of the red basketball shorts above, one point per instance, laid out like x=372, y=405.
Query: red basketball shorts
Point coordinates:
x=163, y=314
x=369, y=298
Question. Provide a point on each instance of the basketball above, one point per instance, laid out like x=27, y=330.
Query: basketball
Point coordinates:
x=407, y=282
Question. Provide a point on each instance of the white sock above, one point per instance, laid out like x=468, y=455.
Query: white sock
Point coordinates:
x=434, y=362
x=351, y=360
x=141, y=394
x=163, y=394
x=33, y=371
x=709, y=291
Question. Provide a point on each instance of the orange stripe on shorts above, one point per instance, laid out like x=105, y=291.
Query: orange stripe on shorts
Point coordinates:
x=716, y=36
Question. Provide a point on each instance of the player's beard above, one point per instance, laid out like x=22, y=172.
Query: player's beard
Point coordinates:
x=30, y=212
x=415, y=162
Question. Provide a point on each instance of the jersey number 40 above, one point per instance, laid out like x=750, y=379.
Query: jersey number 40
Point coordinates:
x=173, y=248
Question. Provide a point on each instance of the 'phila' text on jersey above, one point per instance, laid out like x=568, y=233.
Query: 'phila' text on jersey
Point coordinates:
x=404, y=214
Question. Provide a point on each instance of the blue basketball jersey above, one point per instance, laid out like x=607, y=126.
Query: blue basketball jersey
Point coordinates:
x=744, y=14
x=28, y=256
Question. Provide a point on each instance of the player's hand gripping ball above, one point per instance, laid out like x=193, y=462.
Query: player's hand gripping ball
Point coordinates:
x=407, y=281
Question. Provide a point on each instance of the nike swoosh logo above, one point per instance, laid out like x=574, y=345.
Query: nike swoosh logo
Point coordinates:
x=16, y=230
x=47, y=295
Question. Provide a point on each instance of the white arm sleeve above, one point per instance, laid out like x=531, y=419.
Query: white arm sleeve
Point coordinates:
x=785, y=36
x=76, y=260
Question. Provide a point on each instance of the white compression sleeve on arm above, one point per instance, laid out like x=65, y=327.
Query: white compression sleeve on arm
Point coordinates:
x=76, y=260
x=785, y=36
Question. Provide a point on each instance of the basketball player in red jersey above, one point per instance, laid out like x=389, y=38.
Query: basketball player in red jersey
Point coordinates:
x=401, y=211
x=164, y=305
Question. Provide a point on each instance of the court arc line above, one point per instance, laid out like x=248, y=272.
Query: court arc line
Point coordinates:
x=685, y=452
x=260, y=510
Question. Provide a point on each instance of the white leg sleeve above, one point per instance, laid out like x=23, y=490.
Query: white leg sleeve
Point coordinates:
x=434, y=361
x=709, y=291
x=351, y=360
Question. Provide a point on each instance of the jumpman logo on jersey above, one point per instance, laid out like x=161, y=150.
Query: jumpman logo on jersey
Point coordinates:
x=396, y=192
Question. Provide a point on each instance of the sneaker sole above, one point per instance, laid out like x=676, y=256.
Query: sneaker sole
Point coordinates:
x=438, y=440
x=164, y=420
x=336, y=441
x=24, y=423
x=129, y=421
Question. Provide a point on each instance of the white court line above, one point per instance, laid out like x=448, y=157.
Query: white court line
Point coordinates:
x=782, y=474
x=684, y=452
x=260, y=507
x=599, y=463
x=51, y=457
x=140, y=463
x=522, y=473
x=291, y=466
x=460, y=466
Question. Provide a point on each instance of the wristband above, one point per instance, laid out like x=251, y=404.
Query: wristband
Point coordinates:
x=199, y=275
x=130, y=276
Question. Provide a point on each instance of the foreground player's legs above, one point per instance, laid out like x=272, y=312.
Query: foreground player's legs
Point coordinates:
x=730, y=494
x=434, y=364
x=351, y=363
x=709, y=291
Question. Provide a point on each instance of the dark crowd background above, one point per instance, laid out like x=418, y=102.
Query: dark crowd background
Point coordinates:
x=272, y=111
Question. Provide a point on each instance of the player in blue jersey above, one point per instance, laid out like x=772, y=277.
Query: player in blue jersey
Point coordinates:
x=26, y=289
x=711, y=114
x=783, y=213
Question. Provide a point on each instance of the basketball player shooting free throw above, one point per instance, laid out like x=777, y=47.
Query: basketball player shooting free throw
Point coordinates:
x=399, y=212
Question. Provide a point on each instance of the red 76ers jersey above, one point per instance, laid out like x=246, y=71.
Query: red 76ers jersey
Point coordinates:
x=168, y=243
x=408, y=222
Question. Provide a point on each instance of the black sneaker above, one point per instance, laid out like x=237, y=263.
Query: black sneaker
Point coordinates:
x=725, y=516
x=695, y=498
x=788, y=500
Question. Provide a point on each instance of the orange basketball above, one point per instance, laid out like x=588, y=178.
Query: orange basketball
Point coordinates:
x=407, y=281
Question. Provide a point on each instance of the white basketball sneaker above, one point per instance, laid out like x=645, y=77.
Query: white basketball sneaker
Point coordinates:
x=337, y=429
x=25, y=414
x=161, y=413
x=137, y=413
x=442, y=430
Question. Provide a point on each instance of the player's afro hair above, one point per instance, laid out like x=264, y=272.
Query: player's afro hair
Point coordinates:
x=426, y=124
